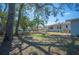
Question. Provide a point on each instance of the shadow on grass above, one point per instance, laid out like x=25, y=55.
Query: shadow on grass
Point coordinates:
x=35, y=45
x=72, y=49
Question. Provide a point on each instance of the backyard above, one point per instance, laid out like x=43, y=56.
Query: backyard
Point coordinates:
x=39, y=29
x=41, y=44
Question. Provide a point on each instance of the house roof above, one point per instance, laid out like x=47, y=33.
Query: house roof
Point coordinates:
x=75, y=19
x=59, y=24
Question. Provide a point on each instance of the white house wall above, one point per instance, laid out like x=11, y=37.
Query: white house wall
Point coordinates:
x=75, y=28
x=62, y=29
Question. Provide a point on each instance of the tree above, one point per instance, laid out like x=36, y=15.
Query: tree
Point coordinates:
x=19, y=17
x=24, y=23
x=3, y=15
x=41, y=10
x=44, y=10
x=6, y=44
x=37, y=22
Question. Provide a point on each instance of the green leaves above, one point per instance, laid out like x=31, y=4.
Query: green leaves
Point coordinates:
x=24, y=22
x=2, y=14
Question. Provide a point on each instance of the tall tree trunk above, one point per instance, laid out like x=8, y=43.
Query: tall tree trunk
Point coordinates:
x=19, y=17
x=6, y=44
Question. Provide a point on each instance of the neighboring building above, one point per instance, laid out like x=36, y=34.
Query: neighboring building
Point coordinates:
x=69, y=26
x=54, y=28
x=74, y=27
x=60, y=27
x=66, y=27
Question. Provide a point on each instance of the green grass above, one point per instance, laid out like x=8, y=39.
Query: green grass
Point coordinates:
x=39, y=35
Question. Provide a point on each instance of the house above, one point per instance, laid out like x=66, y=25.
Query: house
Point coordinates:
x=74, y=26
x=60, y=27
x=54, y=27
x=66, y=27
x=69, y=26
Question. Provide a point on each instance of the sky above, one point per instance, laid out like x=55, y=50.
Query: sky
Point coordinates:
x=69, y=14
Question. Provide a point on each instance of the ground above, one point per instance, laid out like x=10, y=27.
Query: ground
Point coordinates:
x=58, y=33
x=27, y=47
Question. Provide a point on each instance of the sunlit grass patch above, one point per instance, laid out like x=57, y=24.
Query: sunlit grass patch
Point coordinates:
x=39, y=35
x=58, y=33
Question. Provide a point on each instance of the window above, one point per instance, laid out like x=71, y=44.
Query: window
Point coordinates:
x=66, y=26
x=51, y=27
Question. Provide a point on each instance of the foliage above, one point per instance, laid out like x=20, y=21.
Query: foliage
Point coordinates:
x=44, y=10
x=24, y=22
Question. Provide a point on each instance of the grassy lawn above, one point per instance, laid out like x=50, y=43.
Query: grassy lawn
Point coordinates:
x=39, y=36
x=31, y=49
x=58, y=33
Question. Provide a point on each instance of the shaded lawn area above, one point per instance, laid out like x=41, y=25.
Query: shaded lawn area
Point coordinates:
x=32, y=49
x=45, y=38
